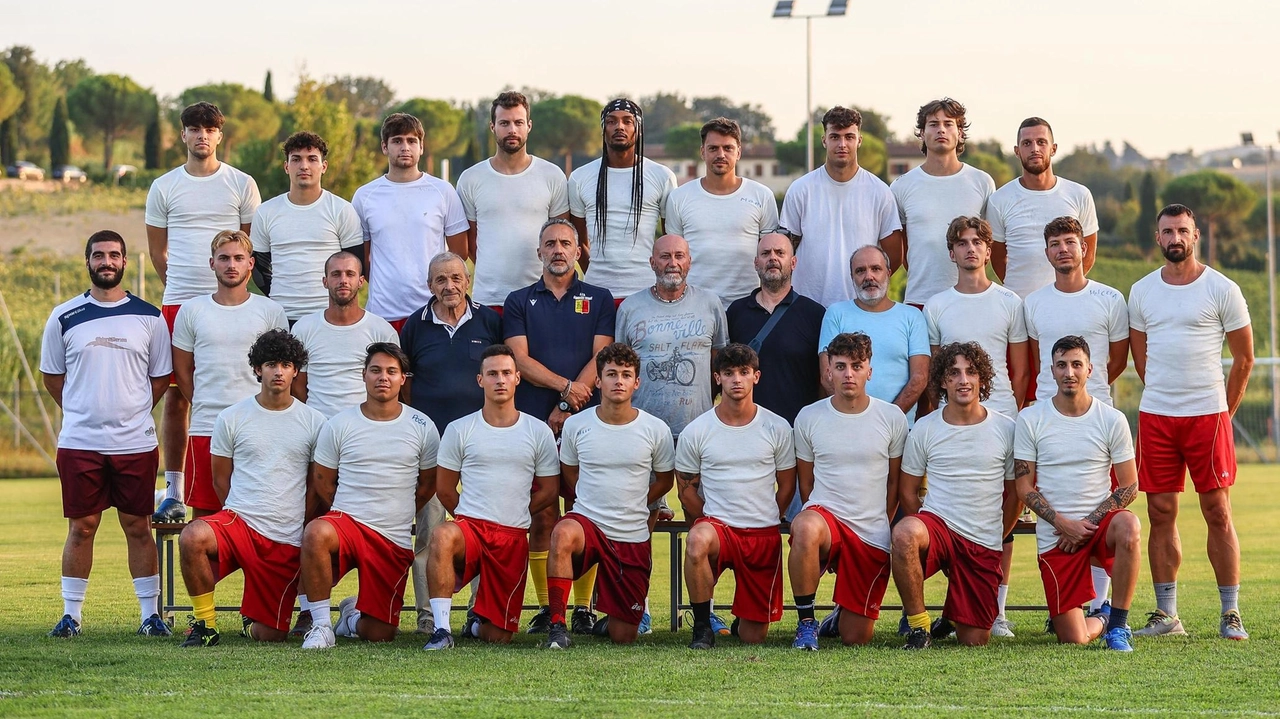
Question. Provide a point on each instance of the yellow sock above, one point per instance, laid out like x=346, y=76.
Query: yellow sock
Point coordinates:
x=538, y=572
x=919, y=621
x=583, y=587
x=202, y=608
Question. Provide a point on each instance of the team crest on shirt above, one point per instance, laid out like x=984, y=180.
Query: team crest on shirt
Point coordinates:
x=582, y=304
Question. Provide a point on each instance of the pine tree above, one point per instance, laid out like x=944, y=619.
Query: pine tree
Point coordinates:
x=59, y=136
x=268, y=94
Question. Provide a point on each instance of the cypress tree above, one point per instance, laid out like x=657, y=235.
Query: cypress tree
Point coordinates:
x=59, y=136
x=267, y=92
x=151, y=145
x=8, y=141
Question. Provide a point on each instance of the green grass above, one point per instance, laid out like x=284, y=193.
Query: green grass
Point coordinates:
x=108, y=671
x=72, y=200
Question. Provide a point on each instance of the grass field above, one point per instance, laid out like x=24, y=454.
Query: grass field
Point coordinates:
x=109, y=671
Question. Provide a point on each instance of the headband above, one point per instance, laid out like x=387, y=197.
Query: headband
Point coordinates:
x=624, y=105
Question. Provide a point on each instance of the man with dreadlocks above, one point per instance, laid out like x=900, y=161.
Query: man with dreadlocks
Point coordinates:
x=616, y=202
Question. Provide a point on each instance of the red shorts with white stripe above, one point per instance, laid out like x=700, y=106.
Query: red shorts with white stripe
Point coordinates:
x=199, y=477
x=972, y=571
x=499, y=555
x=1169, y=447
x=270, y=568
x=862, y=571
x=170, y=314
x=383, y=564
x=1068, y=581
x=755, y=556
x=622, y=583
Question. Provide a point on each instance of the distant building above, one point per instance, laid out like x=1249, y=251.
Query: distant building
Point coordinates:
x=902, y=157
x=759, y=162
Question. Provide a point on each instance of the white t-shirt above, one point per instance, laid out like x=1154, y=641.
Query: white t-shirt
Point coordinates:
x=406, y=224
x=620, y=259
x=508, y=211
x=926, y=206
x=834, y=219
x=722, y=232
x=270, y=452
x=739, y=466
x=219, y=337
x=1097, y=313
x=1018, y=216
x=614, y=464
x=1073, y=457
x=850, y=455
x=300, y=238
x=194, y=209
x=497, y=466
x=994, y=319
x=378, y=465
x=109, y=352
x=967, y=467
x=335, y=363
x=1185, y=326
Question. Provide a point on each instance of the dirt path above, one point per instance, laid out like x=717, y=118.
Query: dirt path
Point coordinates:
x=66, y=234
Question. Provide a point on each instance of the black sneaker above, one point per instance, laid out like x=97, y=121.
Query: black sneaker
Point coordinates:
x=704, y=637
x=601, y=628
x=557, y=637
x=540, y=622
x=471, y=627
x=918, y=639
x=942, y=628
x=733, y=627
x=246, y=627
x=66, y=628
x=904, y=627
x=200, y=635
x=170, y=511
x=583, y=620
x=301, y=625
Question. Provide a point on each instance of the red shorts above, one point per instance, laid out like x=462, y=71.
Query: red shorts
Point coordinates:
x=1068, y=581
x=972, y=570
x=862, y=571
x=617, y=302
x=496, y=308
x=383, y=564
x=1169, y=447
x=170, y=314
x=92, y=481
x=499, y=555
x=755, y=556
x=270, y=568
x=199, y=476
x=397, y=325
x=623, y=581
x=1033, y=371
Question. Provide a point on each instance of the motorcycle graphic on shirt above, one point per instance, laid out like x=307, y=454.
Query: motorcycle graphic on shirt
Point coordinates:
x=675, y=368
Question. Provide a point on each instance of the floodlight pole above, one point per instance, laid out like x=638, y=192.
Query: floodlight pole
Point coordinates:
x=783, y=10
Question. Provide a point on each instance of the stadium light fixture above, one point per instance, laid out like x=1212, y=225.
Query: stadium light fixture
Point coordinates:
x=785, y=10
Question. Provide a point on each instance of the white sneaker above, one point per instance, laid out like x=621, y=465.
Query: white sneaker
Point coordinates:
x=1161, y=624
x=320, y=636
x=347, y=618
x=1002, y=628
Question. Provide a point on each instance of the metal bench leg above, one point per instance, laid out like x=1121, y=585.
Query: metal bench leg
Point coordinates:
x=677, y=579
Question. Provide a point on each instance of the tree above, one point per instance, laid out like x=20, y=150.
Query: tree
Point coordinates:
x=996, y=167
x=1145, y=227
x=112, y=105
x=365, y=97
x=684, y=141
x=873, y=123
x=268, y=94
x=565, y=125
x=756, y=124
x=8, y=141
x=662, y=112
x=1218, y=199
x=10, y=94
x=69, y=73
x=249, y=116
x=59, y=136
x=442, y=124
x=151, y=145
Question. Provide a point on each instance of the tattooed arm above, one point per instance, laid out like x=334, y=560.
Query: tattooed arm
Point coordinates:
x=1072, y=534
x=1122, y=496
x=689, y=486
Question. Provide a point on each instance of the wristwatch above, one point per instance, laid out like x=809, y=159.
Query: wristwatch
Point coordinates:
x=564, y=407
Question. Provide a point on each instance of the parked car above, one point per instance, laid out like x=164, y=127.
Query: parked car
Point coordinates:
x=69, y=173
x=24, y=170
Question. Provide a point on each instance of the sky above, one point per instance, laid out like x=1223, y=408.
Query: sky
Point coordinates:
x=1167, y=77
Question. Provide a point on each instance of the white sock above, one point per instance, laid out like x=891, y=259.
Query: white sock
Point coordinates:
x=1101, y=586
x=147, y=589
x=1167, y=597
x=1230, y=597
x=440, y=608
x=73, y=590
x=303, y=603
x=320, y=613
x=646, y=605
x=1001, y=595
x=175, y=486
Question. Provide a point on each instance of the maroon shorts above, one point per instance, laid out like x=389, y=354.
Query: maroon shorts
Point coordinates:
x=862, y=571
x=755, y=556
x=499, y=555
x=170, y=314
x=92, y=481
x=199, y=476
x=1169, y=447
x=496, y=308
x=972, y=570
x=270, y=568
x=623, y=580
x=383, y=564
x=1068, y=579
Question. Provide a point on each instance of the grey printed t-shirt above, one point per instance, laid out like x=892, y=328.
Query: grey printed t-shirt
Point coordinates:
x=674, y=341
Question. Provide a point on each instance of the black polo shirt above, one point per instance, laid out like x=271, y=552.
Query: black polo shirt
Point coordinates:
x=561, y=334
x=445, y=366
x=789, y=356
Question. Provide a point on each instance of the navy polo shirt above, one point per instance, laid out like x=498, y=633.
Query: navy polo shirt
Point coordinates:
x=560, y=332
x=789, y=355
x=445, y=367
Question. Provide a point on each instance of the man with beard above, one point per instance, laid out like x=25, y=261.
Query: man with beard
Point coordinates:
x=106, y=362
x=722, y=216
x=186, y=207
x=1178, y=317
x=555, y=327
x=616, y=202
x=1019, y=211
x=293, y=233
x=507, y=198
x=900, y=364
x=836, y=209
x=407, y=217
x=211, y=338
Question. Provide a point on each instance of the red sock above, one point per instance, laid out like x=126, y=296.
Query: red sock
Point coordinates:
x=558, y=592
